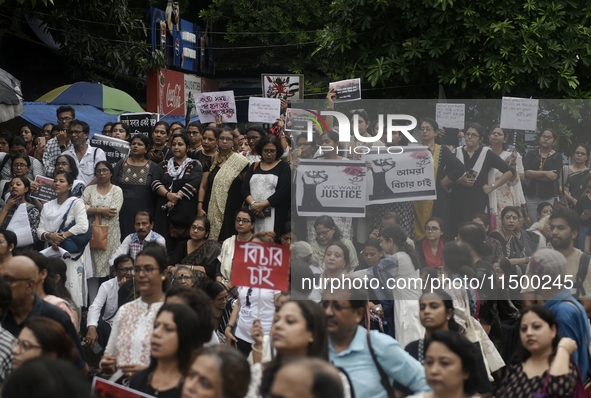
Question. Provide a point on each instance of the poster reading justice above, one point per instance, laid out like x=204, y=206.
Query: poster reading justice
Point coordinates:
x=334, y=188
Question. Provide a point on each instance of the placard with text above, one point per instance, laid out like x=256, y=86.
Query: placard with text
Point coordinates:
x=261, y=265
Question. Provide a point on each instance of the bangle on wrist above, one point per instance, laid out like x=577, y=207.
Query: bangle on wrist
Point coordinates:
x=229, y=325
x=260, y=351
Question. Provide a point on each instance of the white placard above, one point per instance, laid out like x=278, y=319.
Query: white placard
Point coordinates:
x=451, y=115
x=264, y=110
x=346, y=90
x=402, y=177
x=519, y=113
x=209, y=105
x=331, y=187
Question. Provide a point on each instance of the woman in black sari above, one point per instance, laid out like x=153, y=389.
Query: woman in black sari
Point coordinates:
x=198, y=253
x=574, y=176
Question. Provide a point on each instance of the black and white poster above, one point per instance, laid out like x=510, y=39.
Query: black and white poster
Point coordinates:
x=140, y=122
x=114, y=148
x=329, y=187
x=400, y=177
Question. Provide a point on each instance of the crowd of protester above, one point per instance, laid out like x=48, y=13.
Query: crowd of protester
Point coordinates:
x=152, y=296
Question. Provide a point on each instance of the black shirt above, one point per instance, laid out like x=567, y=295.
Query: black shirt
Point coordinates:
x=43, y=308
x=141, y=382
x=542, y=189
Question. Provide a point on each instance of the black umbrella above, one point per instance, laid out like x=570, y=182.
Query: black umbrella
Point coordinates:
x=11, y=97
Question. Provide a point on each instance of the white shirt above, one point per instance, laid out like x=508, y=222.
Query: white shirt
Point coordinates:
x=107, y=297
x=89, y=160
x=249, y=310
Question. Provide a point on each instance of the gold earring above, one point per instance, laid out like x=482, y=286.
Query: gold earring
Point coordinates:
x=163, y=277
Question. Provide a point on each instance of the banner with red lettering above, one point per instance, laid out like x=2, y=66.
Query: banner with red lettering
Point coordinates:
x=262, y=265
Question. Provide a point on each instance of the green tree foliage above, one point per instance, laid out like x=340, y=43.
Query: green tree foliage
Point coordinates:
x=482, y=49
x=99, y=39
x=287, y=28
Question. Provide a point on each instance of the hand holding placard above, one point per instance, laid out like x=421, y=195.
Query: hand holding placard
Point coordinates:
x=264, y=110
x=210, y=105
x=260, y=265
x=519, y=113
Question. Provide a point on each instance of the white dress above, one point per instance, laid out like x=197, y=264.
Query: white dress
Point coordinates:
x=51, y=219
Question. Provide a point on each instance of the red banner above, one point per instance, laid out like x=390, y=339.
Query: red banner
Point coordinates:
x=261, y=265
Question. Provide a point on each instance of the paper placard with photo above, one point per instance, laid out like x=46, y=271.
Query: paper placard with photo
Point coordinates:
x=346, y=90
x=45, y=193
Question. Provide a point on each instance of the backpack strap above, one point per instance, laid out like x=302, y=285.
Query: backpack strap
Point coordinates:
x=582, y=274
x=383, y=376
x=254, y=167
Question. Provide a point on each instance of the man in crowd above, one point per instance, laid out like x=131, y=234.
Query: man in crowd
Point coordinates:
x=7, y=340
x=61, y=142
x=99, y=327
x=86, y=157
x=569, y=313
x=348, y=348
x=564, y=227
x=134, y=243
x=22, y=275
x=307, y=378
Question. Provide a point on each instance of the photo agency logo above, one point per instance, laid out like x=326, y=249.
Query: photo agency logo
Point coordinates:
x=392, y=125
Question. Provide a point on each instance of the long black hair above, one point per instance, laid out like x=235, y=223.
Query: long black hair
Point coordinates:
x=397, y=234
x=474, y=235
x=448, y=304
x=318, y=348
x=463, y=348
x=187, y=322
x=521, y=353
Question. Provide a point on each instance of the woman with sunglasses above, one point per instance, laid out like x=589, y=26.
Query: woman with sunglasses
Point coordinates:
x=430, y=249
x=543, y=171
x=221, y=187
x=471, y=193
x=199, y=253
x=266, y=188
